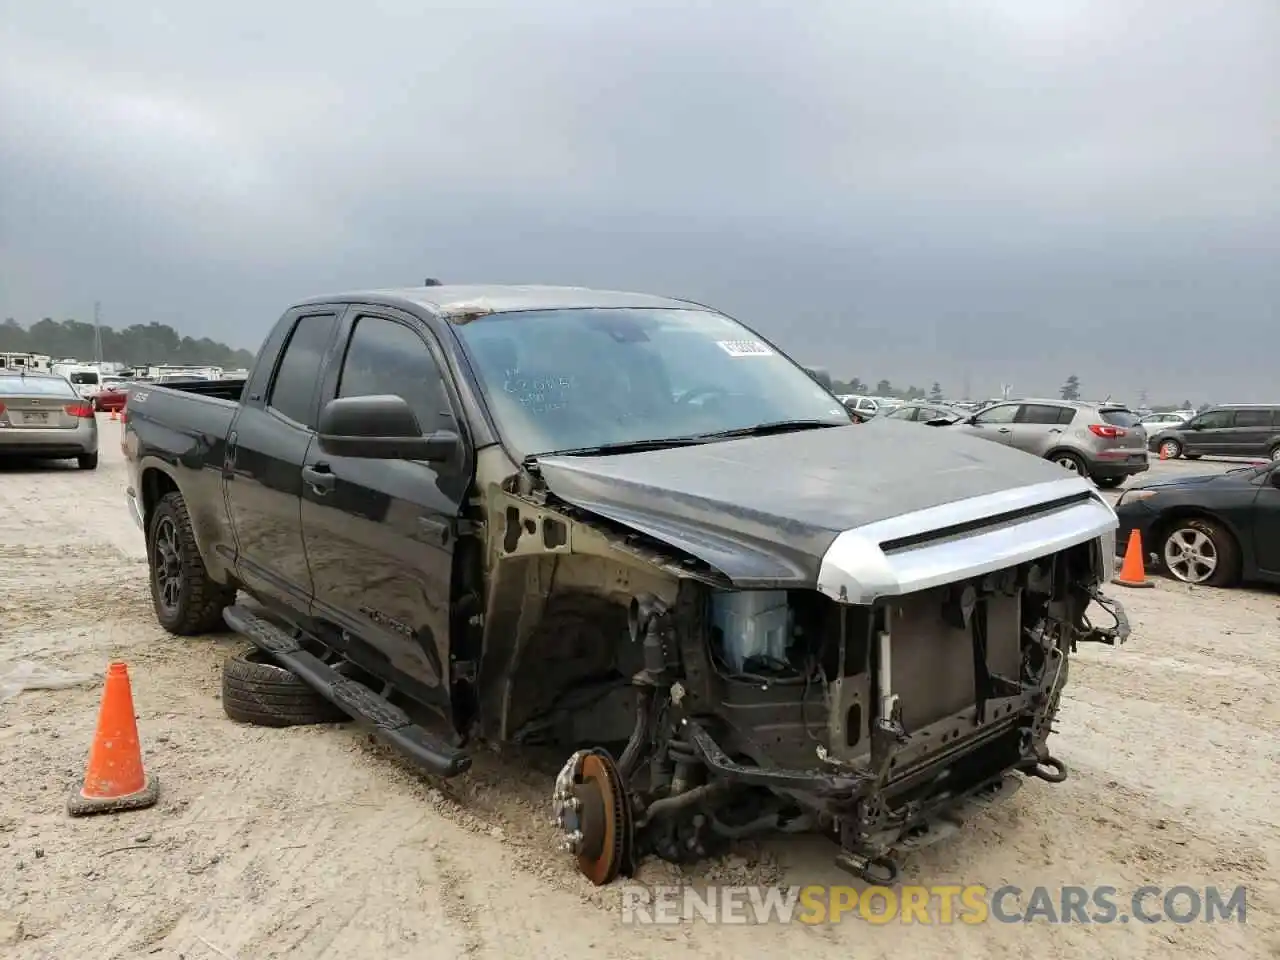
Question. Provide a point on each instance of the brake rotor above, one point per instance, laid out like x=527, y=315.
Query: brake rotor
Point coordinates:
x=593, y=810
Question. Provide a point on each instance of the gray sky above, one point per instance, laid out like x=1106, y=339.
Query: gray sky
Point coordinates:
x=1008, y=190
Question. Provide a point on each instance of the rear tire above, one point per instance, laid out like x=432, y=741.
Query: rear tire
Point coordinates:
x=186, y=599
x=87, y=461
x=257, y=690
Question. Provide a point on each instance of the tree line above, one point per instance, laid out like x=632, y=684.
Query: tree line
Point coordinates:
x=156, y=343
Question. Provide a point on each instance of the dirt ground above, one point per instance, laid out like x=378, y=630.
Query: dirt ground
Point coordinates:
x=314, y=844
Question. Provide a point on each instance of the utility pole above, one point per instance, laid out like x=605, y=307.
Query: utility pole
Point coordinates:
x=97, y=333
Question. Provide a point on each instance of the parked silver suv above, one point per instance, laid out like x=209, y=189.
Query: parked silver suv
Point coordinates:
x=1102, y=441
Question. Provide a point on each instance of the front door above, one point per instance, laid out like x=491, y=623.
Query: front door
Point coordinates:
x=1208, y=433
x=1266, y=523
x=263, y=461
x=379, y=534
x=994, y=423
x=1038, y=428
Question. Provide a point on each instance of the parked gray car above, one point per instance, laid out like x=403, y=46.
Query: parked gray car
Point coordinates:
x=1104, y=442
x=923, y=411
x=42, y=416
x=1229, y=430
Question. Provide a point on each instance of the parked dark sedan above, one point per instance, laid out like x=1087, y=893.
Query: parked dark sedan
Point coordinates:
x=1215, y=530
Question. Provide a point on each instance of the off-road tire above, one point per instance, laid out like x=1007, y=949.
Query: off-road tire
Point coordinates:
x=259, y=691
x=1108, y=483
x=201, y=599
x=87, y=461
x=1227, y=572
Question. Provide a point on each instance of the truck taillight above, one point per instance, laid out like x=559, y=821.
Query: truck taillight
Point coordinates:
x=1105, y=431
x=82, y=410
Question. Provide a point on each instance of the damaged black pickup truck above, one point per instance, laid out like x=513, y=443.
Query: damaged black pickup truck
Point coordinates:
x=630, y=528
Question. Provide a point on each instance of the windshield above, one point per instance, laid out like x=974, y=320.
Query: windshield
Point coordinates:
x=570, y=379
x=35, y=386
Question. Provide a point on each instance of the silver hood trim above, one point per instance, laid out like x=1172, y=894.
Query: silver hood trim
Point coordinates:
x=857, y=568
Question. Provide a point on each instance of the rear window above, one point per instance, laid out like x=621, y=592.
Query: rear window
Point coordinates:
x=1254, y=418
x=1119, y=418
x=38, y=386
x=84, y=377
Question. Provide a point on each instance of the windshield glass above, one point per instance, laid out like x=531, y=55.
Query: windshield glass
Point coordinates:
x=568, y=379
x=35, y=386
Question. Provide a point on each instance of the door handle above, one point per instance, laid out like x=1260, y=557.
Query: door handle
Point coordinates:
x=1056, y=430
x=320, y=477
x=1004, y=430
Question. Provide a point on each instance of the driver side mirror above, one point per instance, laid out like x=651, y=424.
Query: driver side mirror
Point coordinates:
x=381, y=427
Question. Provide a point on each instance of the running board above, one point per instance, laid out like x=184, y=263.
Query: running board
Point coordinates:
x=391, y=724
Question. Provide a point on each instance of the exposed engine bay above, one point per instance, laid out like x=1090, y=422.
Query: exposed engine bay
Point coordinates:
x=757, y=711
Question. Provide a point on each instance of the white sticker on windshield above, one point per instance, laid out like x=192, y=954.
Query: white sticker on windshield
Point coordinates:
x=744, y=348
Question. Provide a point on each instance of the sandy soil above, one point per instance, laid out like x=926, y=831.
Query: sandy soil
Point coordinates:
x=313, y=843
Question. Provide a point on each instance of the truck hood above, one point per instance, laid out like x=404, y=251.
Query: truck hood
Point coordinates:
x=858, y=512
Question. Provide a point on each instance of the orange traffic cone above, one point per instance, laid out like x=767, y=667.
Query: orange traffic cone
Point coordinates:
x=113, y=414
x=1164, y=454
x=1132, y=572
x=114, y=779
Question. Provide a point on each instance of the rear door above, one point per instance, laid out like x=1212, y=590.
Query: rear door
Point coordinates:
x=379, y=534
x=265, y=450
x=1250, y=433
x=1037, y=427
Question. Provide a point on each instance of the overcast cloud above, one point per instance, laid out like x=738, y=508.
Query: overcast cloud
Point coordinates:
x=997, y=190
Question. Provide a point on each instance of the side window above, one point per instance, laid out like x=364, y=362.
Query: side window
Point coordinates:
x=906, y=413
x=1066, y=415
x=1001, y=414
x=1040, y=413
x=294, y=388
x=1253, y=418
x=386, y=357
x=1214, y=419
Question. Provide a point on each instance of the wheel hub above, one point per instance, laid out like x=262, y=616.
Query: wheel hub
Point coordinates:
x=591, y=808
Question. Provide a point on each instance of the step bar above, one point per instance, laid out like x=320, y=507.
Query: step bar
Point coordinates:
x=390, y=724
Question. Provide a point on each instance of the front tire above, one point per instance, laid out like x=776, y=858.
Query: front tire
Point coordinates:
x=1170, y=449
x=1201, y=553
x=186, y=599
x=1070, y=462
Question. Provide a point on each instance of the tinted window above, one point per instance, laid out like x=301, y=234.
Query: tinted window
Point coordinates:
x=1066, y=415
x=1040, y=413
x=84, y=377
x=1214, y=419
x=565, y=379
x=1254, y=418
x=294, y=387
x=388, y=357
x=1119, y=418
x=1001, y=414
x=35, y=386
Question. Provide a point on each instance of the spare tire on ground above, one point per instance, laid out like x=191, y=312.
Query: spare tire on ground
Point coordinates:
x=257, y=690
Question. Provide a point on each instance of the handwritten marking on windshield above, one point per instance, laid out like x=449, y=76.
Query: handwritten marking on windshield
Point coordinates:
x=744, y=348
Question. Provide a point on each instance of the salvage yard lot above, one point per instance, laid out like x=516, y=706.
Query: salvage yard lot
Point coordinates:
x=313, y=843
